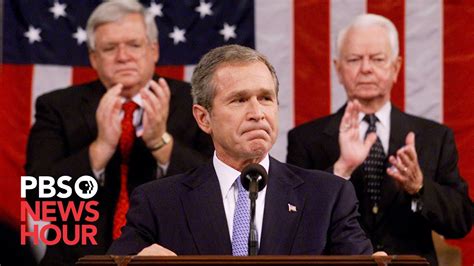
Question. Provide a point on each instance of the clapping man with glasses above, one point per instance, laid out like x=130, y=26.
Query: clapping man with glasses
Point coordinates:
x=126, y=128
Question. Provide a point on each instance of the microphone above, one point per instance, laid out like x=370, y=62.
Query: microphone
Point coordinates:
x=254, y=178
x=254, y=172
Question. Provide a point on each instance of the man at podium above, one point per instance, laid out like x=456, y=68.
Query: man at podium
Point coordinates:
x=299, y=212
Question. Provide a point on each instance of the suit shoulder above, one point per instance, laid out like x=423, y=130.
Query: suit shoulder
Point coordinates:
x=318, y=177
x=169, y=184
x=180, y=90
x=70, y=93
x=424, y=124
x=175, y=84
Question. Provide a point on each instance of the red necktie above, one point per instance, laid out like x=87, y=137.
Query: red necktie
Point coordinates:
x=126, y=142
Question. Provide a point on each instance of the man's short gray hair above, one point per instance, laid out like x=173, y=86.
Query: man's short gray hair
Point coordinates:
x=367, y=20
x=115, y=10
x=203, y=87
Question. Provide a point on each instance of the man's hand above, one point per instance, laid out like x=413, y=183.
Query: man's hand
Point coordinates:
x=108, y=127
x=379, y=254
x=156, y=105
x=353, y=150
x=405, y=167
x=156, y=250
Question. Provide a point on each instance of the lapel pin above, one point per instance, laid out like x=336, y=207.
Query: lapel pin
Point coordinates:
x=291, y=208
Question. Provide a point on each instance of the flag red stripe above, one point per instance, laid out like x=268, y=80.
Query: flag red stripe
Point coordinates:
x=15, y=102
x=312, y=88
x=86, y=74
x=83, y=75
x=175, y=72
x=395, y=11
x=459, y=96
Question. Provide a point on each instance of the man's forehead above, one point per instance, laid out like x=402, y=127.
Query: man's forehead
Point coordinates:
x=364, y=37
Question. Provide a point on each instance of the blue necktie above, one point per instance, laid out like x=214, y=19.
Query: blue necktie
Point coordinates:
x=240, y=232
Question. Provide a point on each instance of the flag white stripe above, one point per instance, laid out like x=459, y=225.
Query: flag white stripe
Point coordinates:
x=188, y=72
x=47, y=78
x=424, y=59
x=342, y=13
x=274, y=38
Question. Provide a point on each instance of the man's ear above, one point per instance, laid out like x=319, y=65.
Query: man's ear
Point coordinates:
x=397, y=65
x=337, y=66
x=202, y=117
x=93, y=59
x=155, y=48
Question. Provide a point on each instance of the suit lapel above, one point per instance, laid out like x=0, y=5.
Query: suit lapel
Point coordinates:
x=90, y=102
x=279, y=224
x=205, y=213
x=399, y=128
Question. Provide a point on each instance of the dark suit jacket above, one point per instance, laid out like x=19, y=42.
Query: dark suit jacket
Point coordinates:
x=396, y=229
x=58, y=145
x=185, y=214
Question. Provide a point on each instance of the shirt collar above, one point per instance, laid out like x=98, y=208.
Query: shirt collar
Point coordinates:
x=227, y=175
x=137, y=98
x=383, y=114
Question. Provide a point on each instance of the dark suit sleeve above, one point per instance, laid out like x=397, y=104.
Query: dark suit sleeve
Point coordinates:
x=140, y=229
x=345, y=236
x=446, y=204
x=48, y=152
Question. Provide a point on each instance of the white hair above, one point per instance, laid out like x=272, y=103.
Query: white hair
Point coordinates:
x=367, y=20
x=115, y=10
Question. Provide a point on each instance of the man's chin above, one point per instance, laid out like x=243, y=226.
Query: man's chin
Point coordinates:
x=129, y=92
x=260, y=147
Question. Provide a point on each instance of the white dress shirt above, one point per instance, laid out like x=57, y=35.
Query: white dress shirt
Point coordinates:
x=227, y=176
x=383, y=125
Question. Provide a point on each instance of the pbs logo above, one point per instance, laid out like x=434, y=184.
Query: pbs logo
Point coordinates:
x=86, y=187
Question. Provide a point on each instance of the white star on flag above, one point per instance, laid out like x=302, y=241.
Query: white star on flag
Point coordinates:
x=177, y=35
x=204, y=9
x=291, y=208
x=228, y=32
x=59, y=10
x=33, y=34
x=80, y=35
x=156, y=9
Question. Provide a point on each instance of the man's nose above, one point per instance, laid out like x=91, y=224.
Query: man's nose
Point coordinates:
x=122, y=53
x=255, y=110
x=366, y=65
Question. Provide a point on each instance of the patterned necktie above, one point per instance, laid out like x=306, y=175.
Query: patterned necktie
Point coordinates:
x=374, y=166
x=241, y=223
x=126, y=142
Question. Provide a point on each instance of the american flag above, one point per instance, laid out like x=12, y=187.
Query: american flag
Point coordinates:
x=44, y=49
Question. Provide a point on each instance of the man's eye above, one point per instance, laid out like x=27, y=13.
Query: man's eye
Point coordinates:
x=353, y=60
x=135, y=45
x=108, y=49
x=266, y=98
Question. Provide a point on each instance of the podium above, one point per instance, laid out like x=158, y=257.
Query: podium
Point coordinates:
x=207, y=259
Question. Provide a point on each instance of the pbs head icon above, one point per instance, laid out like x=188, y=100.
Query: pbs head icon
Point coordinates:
x=86, y=187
